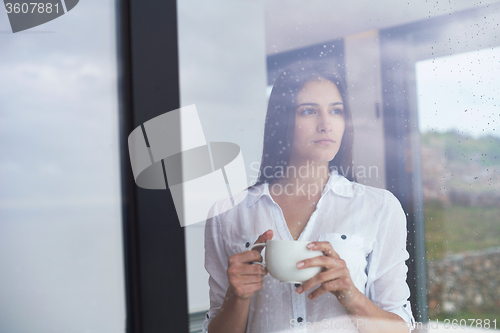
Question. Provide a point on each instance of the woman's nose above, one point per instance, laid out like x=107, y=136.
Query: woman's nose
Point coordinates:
x=324, y=124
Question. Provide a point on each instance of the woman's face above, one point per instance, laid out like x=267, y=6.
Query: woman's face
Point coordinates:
x=319, y=123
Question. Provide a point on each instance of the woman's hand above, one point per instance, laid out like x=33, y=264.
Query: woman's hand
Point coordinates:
x=334, y=278
x=244, y=278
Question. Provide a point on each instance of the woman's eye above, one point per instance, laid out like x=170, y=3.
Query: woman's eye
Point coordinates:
x=308, y=111
x=337, y=111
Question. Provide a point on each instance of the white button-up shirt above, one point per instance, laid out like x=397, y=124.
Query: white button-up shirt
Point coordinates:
x=366, y=227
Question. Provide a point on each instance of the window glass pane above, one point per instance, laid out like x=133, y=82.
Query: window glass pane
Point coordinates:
x=231, y=109
x=232, y=52
x=459, y=123
x=61, y=258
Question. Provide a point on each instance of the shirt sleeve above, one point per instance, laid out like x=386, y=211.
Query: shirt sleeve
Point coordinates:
x=386, y=284
x=216, y=265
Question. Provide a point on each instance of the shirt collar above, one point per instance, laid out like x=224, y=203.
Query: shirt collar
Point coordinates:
x=257, y=192
x=339, y=185
x=336, y=183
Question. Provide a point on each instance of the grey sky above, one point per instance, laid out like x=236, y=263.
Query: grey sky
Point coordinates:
x=460, y=92
x=60, y=221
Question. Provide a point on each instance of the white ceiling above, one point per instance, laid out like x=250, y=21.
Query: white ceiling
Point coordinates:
x=291, y=24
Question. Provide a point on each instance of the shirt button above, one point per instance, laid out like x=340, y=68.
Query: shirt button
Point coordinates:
x=404, y=306
x=297, y=285
x=300, y=319
x=247, y=244
x=343, y=236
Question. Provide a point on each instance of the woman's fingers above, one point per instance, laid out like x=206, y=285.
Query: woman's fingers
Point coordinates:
x=327, y=286
x=326, y=247
x=245, y=278
x=322, y=261
x=330, y=259
x=245, y=269
x=246, y=257
x=243, y=261
x=335, y=278
x=268, y=235
x=321, y=278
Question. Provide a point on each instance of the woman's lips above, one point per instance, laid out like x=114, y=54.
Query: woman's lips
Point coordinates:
x=323, y=142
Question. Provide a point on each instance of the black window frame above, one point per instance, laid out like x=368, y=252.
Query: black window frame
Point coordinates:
x=154, y=249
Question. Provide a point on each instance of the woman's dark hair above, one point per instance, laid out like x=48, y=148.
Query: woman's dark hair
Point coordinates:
x=280, y=121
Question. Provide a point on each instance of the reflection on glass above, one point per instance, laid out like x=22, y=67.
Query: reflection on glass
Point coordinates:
x=230, y=52
x=458, y=99
x=307, y=191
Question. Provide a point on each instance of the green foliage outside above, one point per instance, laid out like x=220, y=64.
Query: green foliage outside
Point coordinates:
x=461, y=148
x=461, y=177
x=452, y=229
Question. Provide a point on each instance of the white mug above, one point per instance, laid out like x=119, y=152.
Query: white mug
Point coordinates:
x=282, y=257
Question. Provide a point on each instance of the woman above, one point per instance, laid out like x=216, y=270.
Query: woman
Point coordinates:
x=305, y=191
